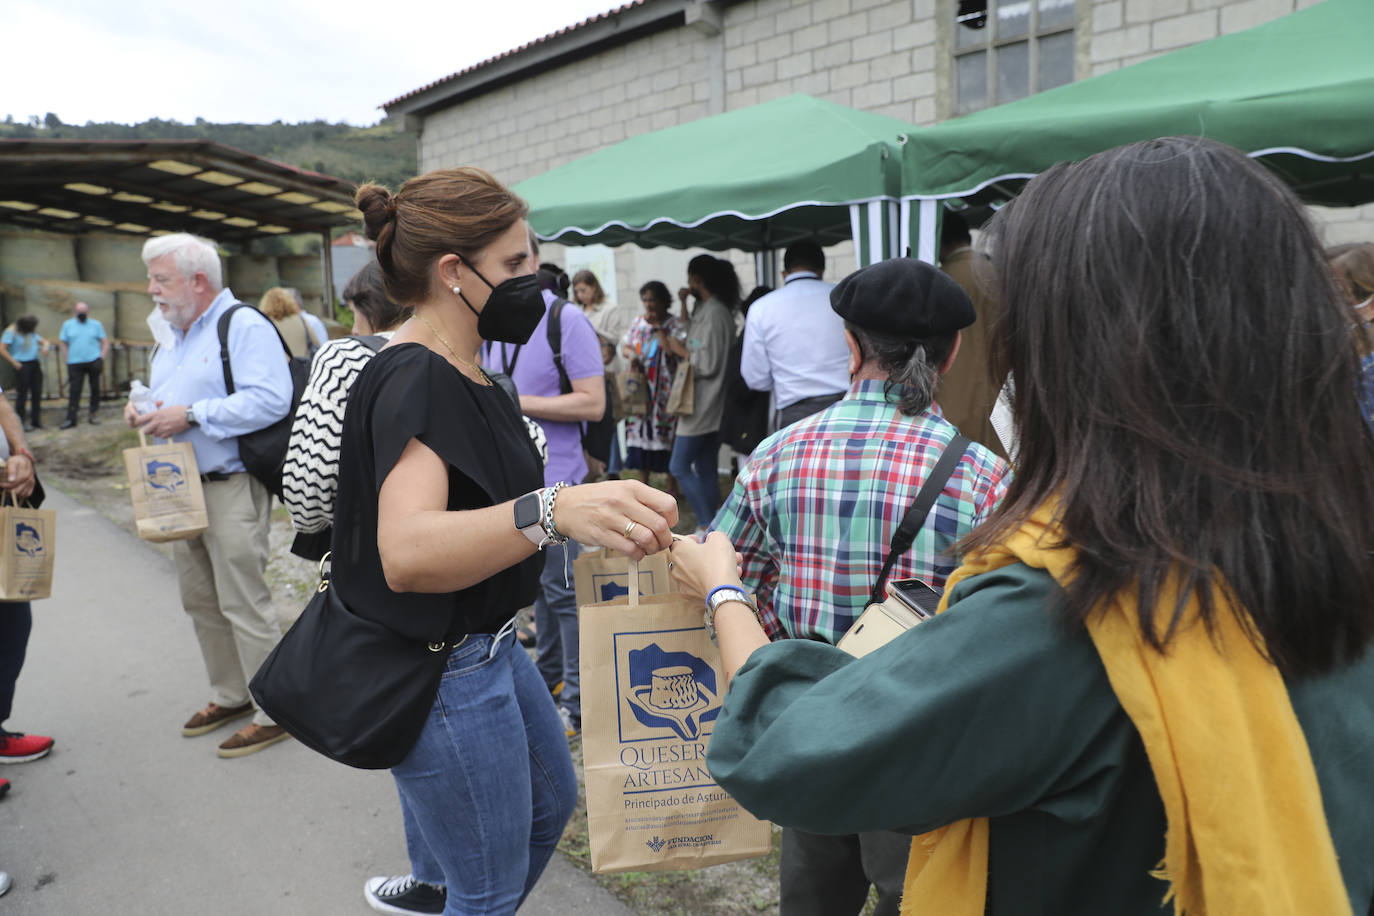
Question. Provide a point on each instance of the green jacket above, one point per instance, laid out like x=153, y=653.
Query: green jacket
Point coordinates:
x=994, y=709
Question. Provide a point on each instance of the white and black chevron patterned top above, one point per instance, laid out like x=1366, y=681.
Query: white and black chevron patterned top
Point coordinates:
x=311, y=475
x=310, y=478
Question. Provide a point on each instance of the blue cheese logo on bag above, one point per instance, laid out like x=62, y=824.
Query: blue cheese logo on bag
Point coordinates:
x=28, y=540
x=165, y=475
x=672, y=690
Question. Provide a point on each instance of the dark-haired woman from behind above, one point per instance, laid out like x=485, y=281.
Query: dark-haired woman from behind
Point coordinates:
x=440, y=516
x=310, y=475
x=705, y=339
x=1151, y=680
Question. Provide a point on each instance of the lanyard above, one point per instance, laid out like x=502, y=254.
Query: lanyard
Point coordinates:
x=508, y=367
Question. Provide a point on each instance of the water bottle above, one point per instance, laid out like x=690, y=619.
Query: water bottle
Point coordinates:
x=141, y=396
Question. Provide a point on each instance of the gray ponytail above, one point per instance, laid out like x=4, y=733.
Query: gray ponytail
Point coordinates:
x=912, y=365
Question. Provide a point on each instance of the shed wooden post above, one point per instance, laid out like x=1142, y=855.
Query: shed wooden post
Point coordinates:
x=327, y=262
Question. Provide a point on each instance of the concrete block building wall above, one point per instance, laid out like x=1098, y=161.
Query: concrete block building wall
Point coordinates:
x=889, y=56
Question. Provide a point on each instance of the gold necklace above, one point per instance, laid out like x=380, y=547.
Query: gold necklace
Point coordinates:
x=481, y=376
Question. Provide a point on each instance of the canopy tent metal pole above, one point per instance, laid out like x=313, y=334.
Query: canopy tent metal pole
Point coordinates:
x=766, y=267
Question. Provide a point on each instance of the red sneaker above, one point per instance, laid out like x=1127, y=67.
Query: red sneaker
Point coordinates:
x=4, y=787
x=17, y=747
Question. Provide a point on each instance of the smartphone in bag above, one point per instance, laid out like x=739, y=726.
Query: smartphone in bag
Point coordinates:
x=909, y=601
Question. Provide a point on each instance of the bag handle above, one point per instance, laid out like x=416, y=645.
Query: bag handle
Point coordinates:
x=634, y=583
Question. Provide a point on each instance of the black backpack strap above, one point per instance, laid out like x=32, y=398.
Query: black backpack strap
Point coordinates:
x=915, y=516
x=555, y=328
x=223, y=329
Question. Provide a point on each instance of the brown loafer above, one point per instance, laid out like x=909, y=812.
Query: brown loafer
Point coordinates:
x=212, y=717
x=252, y=738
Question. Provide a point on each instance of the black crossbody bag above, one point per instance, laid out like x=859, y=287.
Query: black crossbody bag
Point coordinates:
x=348, y=687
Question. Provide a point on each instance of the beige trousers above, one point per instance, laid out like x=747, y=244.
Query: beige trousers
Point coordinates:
x=224, y=587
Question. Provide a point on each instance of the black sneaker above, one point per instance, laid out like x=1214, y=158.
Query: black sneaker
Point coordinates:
x=403, y=894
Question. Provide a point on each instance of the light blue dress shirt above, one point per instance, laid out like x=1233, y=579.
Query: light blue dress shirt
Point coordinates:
x=82, y=339
x=190, y=373
x=794, y=342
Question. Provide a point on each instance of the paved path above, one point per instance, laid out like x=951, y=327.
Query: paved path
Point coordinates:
x=125, y=816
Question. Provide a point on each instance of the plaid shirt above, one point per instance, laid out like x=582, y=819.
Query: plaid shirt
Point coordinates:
x=814, y=510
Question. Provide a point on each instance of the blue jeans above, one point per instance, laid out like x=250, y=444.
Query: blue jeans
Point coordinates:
x=556, y=641
x=489, y=786
x=16, y=622
x=617, y=462
x=693, y=465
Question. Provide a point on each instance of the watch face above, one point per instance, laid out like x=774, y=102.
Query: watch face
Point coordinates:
x=527, y=510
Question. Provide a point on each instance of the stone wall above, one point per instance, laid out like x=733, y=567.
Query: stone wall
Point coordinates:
x=887, y=56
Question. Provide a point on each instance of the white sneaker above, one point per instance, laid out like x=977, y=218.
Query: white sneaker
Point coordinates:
x=5, y=883
x=570, y=727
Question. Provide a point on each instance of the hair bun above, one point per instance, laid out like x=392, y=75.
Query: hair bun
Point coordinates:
x=378, y=206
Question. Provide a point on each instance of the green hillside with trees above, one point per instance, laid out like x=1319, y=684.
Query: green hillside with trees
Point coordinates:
x=379, y=153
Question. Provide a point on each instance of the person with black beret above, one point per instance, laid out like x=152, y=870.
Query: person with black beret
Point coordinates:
x=815, y=507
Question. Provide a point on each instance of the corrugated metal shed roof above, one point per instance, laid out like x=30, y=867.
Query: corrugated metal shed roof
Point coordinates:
x=159, y=186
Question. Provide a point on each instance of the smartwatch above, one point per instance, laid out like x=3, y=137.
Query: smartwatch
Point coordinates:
x=529, y=515
x=191, y=418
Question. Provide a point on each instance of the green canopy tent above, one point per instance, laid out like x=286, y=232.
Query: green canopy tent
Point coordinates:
x=1296, y=93
x=754, y=179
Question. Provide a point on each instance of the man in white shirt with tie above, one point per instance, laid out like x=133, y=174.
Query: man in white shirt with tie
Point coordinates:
x=794, y=342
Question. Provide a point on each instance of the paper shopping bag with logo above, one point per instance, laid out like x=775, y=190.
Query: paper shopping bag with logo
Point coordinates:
x=164, y=481
x=27, y=560
x=603, y=575
x=651, y=691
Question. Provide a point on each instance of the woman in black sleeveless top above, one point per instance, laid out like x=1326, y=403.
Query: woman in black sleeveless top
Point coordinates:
x=439, y=520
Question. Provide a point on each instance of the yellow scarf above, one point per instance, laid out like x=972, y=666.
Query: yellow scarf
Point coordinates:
x=1246, y=830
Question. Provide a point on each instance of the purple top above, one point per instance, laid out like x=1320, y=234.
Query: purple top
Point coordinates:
x=534, y=374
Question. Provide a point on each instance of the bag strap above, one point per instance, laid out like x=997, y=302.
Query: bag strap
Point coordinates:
x=223, y=329
x=915, y=517
x=554, y=326
x=373, y=342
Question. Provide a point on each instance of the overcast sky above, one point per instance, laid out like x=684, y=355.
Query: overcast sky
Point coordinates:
x=251, y=60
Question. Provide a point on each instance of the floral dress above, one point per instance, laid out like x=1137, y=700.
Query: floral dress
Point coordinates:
x=654, y=431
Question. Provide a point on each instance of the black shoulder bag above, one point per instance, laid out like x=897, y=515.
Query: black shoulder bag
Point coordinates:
x=348, y=687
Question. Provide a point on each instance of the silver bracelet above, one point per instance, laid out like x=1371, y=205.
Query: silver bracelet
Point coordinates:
x=551, y=533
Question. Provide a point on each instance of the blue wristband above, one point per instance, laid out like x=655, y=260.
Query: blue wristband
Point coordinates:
x=743, y=595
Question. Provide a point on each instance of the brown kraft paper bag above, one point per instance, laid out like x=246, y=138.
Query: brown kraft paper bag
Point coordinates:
x=651, y=691
x=26, y=563
x=632, y=389
x=682, y=397
x=601, y=575
x=164, y=482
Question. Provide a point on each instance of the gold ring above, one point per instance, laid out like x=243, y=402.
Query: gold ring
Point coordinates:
x=628, y=528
